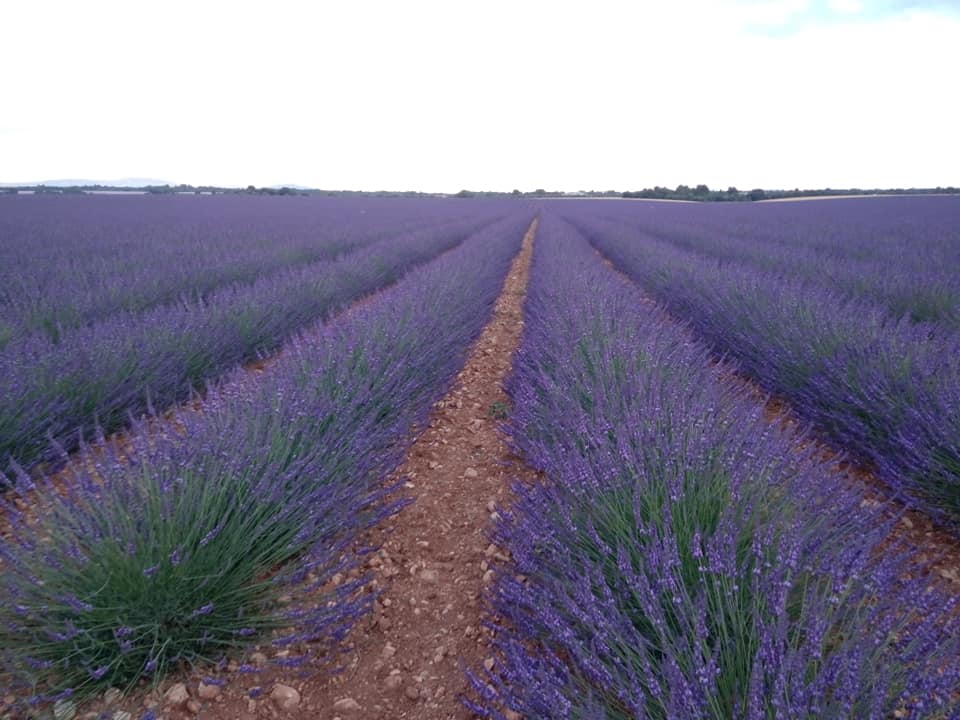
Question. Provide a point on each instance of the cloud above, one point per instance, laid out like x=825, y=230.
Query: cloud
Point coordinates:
x=766, y=13
x=846, y=7
x=779, y=18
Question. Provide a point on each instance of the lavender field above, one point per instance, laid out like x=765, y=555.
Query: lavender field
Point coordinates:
x=847, y=309
x=175, y=511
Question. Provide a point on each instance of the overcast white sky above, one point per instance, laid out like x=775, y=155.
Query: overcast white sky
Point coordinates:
x=441, y=96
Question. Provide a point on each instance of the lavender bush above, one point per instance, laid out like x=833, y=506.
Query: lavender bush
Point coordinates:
x=105, y=372
x=683, y=559
x=223, y=528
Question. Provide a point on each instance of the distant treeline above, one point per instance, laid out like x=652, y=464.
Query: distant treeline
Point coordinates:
x=208, y=190
x=698, y=193
x=702, y=193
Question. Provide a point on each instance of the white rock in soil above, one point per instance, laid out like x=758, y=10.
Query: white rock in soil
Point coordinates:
x=177, y=695
x=347, y=704
x=64, y=710
x=285, y=697
x=471, y=473
x=430, y=576
x=210, y=692
x=111, y=696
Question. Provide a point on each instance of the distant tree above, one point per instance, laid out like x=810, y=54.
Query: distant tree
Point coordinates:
x=464, y=194
x=702, y=190
x=758, y=194
x=516, y=192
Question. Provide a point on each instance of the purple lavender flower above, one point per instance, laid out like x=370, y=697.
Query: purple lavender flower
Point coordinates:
x=203, y=610
x=211, y=535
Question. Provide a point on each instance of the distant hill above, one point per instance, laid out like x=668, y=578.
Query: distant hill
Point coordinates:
x=121, y=183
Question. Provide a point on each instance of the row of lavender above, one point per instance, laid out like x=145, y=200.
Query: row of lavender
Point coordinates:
x=682, y=558
x=69, y=261
x=98, y=375
x=224, y=528
x=886, y=390
x=901, y=254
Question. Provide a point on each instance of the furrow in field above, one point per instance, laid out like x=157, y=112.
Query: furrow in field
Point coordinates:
x=436, y=557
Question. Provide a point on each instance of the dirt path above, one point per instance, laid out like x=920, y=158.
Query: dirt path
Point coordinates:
x=436, y=556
